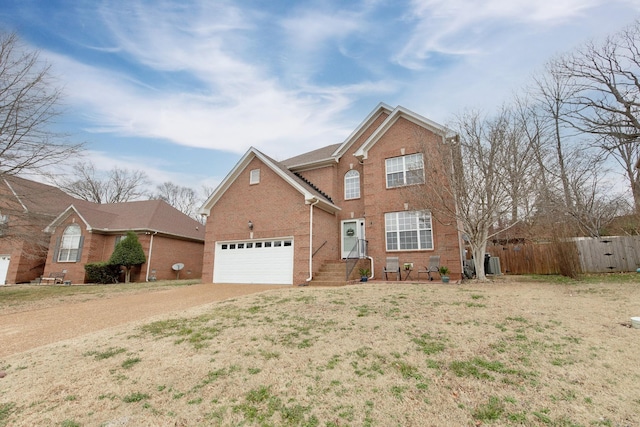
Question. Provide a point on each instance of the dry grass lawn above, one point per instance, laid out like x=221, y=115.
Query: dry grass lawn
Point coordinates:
x=515, y=352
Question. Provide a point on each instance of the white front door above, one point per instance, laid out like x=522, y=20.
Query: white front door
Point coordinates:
x=4, y=268
x=353, y=244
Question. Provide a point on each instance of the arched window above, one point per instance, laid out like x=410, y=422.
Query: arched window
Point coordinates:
x=70, y=244
x=352, y=185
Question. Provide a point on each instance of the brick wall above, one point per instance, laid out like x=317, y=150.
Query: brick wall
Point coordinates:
x=275, y=208
x=325, y=180
x=74, y=270
x=99, y=247
x=166, y=252
x=26, y=263
x=401, y=138
x=23, y=239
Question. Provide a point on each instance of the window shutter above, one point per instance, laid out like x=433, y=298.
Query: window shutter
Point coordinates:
x=80, y=249
x=56, y=250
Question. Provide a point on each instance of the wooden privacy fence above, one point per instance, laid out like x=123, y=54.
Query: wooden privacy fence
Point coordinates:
x=603, y=255
x=526, y=258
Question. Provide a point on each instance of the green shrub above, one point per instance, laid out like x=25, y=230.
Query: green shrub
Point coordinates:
x=102, y=272
x=128, y=253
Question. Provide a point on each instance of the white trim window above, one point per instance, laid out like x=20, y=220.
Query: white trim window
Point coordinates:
x=70, y=244
x=120, y=239
x=254, y=177
x=352, y=185
x=405, y=170
x=408, y=230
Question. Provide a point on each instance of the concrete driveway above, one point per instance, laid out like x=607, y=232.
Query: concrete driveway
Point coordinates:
x=26, y=330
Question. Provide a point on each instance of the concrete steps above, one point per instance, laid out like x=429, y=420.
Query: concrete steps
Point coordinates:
x=333, y=273
x=330, y=274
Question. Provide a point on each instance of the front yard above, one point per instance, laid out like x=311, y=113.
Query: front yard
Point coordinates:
x=518, y=351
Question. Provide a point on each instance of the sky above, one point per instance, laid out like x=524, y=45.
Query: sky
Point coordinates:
x=182, y=89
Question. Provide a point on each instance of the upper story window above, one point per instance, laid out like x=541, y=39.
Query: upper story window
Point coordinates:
x=408, y=230
x=70, y=244
x=405, y=170
x=352, y=185
x=254, y=176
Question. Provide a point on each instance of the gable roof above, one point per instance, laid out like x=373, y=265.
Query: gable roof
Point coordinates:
x=332, y=153
x=380, y=109
x=397, y=113
x=145, y=215
x=36, y=197
x=311, y=194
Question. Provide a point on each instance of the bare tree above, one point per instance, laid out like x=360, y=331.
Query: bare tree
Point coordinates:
x=535, y=129
x=595, y=204
x=607, y=76
x=473, y=175
x=520, y=167
x=182, y=198
x=29, y=102
x=115, y=186
x=553, y=93
x=626, y=152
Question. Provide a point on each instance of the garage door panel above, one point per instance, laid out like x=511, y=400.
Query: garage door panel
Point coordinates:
x=268, y=262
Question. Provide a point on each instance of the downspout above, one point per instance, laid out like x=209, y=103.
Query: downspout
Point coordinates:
x=150, y=250
x=311, y=241
x=370, y=258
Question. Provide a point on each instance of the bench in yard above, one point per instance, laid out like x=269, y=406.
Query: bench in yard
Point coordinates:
x=54, y=277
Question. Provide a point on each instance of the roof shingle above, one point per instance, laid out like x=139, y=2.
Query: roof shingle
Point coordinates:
x=152, y=215
x=323, y=153
x=36, y=197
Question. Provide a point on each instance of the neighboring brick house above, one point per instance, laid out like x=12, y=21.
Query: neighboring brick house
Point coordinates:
x=88, y=232
x=280, y=222
x=26, y=208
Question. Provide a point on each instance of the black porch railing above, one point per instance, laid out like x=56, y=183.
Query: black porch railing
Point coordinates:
x=358, y=251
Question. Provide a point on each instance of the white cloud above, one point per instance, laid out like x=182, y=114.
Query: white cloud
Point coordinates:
x=236, y=102
x=261, y=114
x=469, y=27
x=495, y=49
x=310, y=34
x=204, y=76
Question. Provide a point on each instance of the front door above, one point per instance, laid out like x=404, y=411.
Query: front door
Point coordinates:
x=353, y=244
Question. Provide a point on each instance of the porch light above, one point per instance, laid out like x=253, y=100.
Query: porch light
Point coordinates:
x=250, y=225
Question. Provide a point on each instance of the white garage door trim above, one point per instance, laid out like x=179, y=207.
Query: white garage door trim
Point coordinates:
x=266, y=261
x=5, y=260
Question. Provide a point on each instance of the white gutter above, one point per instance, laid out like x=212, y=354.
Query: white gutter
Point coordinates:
x=150, y=250
x=311, y=240
x=372, y=269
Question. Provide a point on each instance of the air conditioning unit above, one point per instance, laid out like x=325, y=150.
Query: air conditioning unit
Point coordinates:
x=494, y=266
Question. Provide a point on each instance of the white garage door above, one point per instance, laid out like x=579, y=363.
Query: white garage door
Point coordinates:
x=256, y=261
x=4, y=268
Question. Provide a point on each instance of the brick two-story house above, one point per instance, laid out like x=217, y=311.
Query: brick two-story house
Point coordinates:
x=280, y=221
x=88, y=232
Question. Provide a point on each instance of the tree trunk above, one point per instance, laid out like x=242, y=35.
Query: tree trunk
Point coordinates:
x=478, y=250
